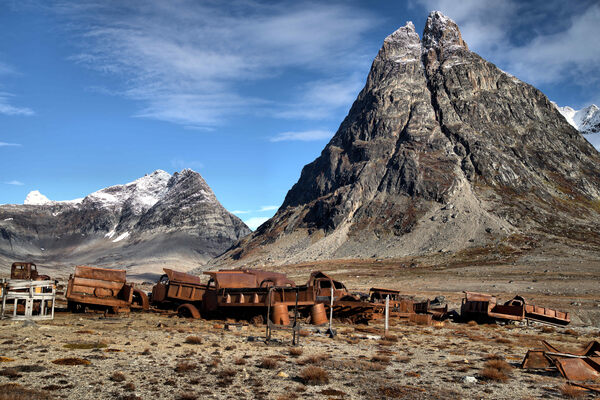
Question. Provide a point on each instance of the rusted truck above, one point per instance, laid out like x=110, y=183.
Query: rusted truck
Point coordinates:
x=180, y=291
x=485, y=307
x=247, y=294
x=26, y=271
x=92, y=288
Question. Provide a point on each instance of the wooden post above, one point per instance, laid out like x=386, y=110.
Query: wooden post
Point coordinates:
x=331, y=309
x=387, y=314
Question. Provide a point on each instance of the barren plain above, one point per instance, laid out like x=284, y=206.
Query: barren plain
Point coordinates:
x=159, y=355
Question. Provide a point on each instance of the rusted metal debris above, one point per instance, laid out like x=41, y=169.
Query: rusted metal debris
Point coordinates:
x=27, y=299
x=103, y=289
x=483, y=306
x=579, y=368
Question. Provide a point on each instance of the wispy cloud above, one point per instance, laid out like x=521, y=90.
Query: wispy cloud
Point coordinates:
x=180, y=164
x=260, y=210
x=183, y=61
x=322, y=98
x=304, y=136
x=563, y=47
x=4, y=144
x=8, y=109
x=255, y=222
x=15, y=183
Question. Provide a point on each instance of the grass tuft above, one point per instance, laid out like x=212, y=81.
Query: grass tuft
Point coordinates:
x=193, y=340
x=71, y=361
x=117, y=377
x=268, y=363
x=313, y=375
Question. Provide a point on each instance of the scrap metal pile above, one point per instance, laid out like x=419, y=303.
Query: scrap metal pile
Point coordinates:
x=581, y=368
x=263, y=296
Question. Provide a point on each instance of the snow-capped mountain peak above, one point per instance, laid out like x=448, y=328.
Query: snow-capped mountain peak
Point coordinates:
x=586, y=120
x=140, y=194
x=35, y=198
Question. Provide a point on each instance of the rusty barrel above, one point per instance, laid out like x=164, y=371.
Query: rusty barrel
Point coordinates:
x=318, y=315
x=279, y=314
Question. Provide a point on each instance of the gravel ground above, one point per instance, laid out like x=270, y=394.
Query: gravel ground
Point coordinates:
x=147, y=355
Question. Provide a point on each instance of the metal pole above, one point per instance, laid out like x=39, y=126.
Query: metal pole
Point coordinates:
x=387, y=314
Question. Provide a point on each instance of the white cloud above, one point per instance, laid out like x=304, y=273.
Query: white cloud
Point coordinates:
x=7, y=109
x=255, y=222
x=320, y=99
x=183, y=60
x=304, y=136
x=566, y=52
x=268, y=208
x=15, y=183
x=260, y=210
x=4, y=144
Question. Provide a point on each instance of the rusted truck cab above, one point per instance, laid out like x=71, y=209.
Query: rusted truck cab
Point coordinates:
x=26, y=271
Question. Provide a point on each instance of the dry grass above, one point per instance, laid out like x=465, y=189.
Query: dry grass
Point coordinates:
x=6, y=359
x=240, y=361
x=85, y=345
x=548, y=329
x=130, y=387
x=268, y=363
x=313, y=359
x=571, y=332
x=226, y=373
x=380, y=359
x=496, y=370
x=184, y=367
x=71, y=361
x=295, y=351
x=14, y=391
x=313, y=375
x=571, y=391
x=193, y=340
x=117, y=377
x=10, y=373
x=503, y=340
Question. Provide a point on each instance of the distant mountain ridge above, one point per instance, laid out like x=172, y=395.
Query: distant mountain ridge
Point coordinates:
x=586, y=120
x=156, y=219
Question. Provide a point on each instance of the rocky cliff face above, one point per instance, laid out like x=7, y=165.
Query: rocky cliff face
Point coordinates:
x=441, y=151
x=156, y=220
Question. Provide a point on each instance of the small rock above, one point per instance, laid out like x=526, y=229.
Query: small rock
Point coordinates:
x=283, y=375
x=469, y=379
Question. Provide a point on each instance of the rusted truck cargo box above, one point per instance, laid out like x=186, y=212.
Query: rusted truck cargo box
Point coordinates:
x=102, y=288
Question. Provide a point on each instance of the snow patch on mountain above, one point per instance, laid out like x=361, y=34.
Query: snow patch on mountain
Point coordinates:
x=586, y=120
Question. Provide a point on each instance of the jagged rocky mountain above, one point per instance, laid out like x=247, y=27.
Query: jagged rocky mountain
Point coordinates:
x=586, y=120
x=159, y=219
x=441, y=151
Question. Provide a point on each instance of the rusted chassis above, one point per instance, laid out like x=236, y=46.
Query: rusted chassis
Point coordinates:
x=484, y=307
x=91, y=288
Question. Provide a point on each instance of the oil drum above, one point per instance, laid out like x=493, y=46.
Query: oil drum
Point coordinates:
x=318, y=315
x=279, y=314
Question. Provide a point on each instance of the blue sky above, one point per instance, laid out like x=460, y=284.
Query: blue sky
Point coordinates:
x=98, y=93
